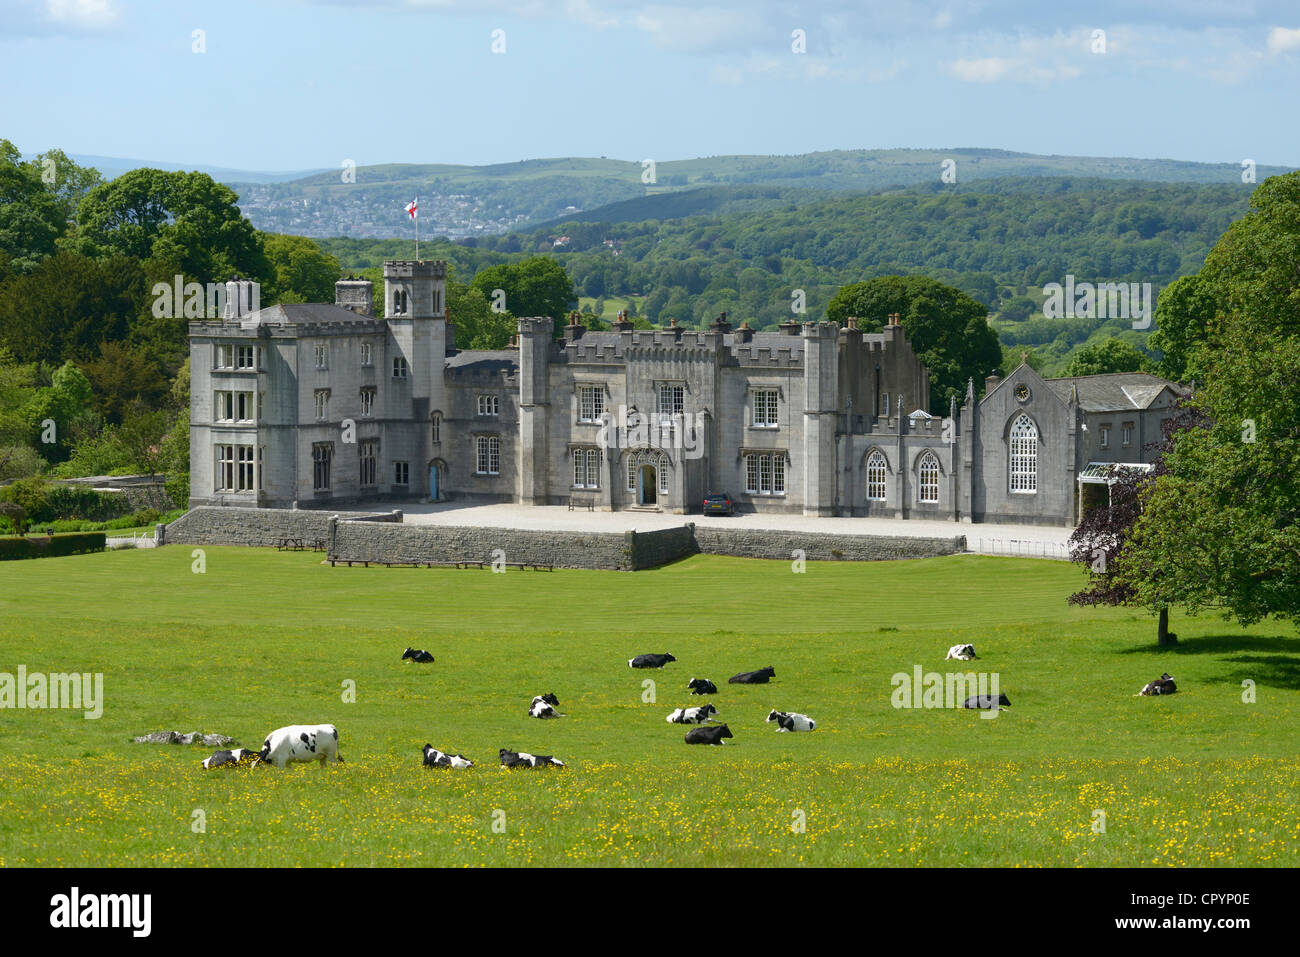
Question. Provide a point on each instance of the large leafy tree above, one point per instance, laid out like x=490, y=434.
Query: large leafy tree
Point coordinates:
x=948, y=329
x=185, y=218
x=1184, y=316
x=68, y=305
x=31, y=219
x=537, y=286
x=1102, y=538
x=1107, y=355
x=1223, y=527
x=300, y=270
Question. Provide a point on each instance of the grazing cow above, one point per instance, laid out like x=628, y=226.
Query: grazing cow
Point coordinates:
x=302, y=742
x=1162, y=685
x=692, y=715
x=986, y=702
x=649, y=661
x=433, y=758
x=522, y=759
x=760, y=677
x=237, y=756
x=792, y=721
x=702, y=686
x=420, y=657
x=713, y=735
x=961, y=653
x=544, y=706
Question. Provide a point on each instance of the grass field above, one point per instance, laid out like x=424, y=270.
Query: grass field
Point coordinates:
x=263, y=638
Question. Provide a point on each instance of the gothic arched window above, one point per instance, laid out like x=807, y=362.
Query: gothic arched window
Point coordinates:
x=1024, y=455
x=876, y=469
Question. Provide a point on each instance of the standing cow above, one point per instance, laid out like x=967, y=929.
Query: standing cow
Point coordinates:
x=302, y=742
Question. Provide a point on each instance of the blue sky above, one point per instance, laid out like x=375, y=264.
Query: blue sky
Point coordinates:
x=298, y=84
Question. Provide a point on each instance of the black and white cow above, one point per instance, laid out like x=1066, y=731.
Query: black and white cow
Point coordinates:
x=522, y=759
x=702, y=686
x=302, y=742
x=792, y=721
x=760, y=677
x=987, y=702
x=433, y=758
x=420, y=657
x=692, y=715
x=544, y=706
x=1162, y=685
x=649, y=661
x=233, y=757
x=713, y=735
x=961, y=653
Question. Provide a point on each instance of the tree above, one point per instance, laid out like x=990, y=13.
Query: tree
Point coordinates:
x=300, y=270
x=123, y=376
x=537, y=286
x=948, y=330
x=66, y=181
x=68, y=305
x=1107, y=355
x=67, y=403
x=185, y=218
x=477, y=326
x=1222, y=528
x=143, y=436
x=1184, y=317
x=30, y=218
x=1103, y=536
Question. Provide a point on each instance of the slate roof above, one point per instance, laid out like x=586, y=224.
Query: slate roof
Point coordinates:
x=483, y=361
x=307, y=312
x=1114, y=392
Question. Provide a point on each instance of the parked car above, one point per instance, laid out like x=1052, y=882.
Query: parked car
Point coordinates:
x=717, y=503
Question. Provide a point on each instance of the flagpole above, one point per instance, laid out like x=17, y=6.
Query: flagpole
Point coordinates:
x=417, y=228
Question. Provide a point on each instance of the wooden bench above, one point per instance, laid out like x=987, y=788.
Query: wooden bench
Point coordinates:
x=576, y=501
x=290, y=545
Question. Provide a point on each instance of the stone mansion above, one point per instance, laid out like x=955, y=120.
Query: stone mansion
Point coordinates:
x=327, y=406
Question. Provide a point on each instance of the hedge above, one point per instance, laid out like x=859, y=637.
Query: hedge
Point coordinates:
x=74, y=543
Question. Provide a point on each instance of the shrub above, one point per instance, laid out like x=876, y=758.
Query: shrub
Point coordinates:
x=78, y=501
x=54, y=546
x=30, y=495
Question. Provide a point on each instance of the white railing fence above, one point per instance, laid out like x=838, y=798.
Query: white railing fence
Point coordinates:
x=1019, y=547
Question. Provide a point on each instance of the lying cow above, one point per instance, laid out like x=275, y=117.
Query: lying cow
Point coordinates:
x=237, y=756
x=1162, y=685
x=987, y=702
x=649, y=661
x=760, y=677
x=302, y=742
x=544, y=706
x=433, y=758
x=702, y=686
x=522, y=759
x=961, y=653
x=692, y=715
x=792, y=721
x=420, y=657
x=713, y=735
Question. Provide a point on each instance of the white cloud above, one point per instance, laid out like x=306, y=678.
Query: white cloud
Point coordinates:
x=82, y=14
x=1283, y=40
x=984, y=70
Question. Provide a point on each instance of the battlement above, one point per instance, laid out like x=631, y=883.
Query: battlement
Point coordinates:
x=415, y=269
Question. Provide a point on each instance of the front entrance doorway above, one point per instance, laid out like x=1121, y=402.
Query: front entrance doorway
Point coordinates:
x=649, y=486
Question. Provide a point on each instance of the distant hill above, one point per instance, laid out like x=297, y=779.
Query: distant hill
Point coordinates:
x=461, y=201
x=112, y=167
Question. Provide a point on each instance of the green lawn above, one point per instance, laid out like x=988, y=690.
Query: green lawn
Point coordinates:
x=264, y=638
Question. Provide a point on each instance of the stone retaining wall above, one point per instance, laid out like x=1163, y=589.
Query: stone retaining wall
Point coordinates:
x=363, y=536
x=263, y=527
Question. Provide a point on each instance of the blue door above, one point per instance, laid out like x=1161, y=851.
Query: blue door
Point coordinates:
x=433, y=482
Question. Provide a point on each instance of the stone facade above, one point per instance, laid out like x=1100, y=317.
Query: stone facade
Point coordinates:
x=325, y=406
